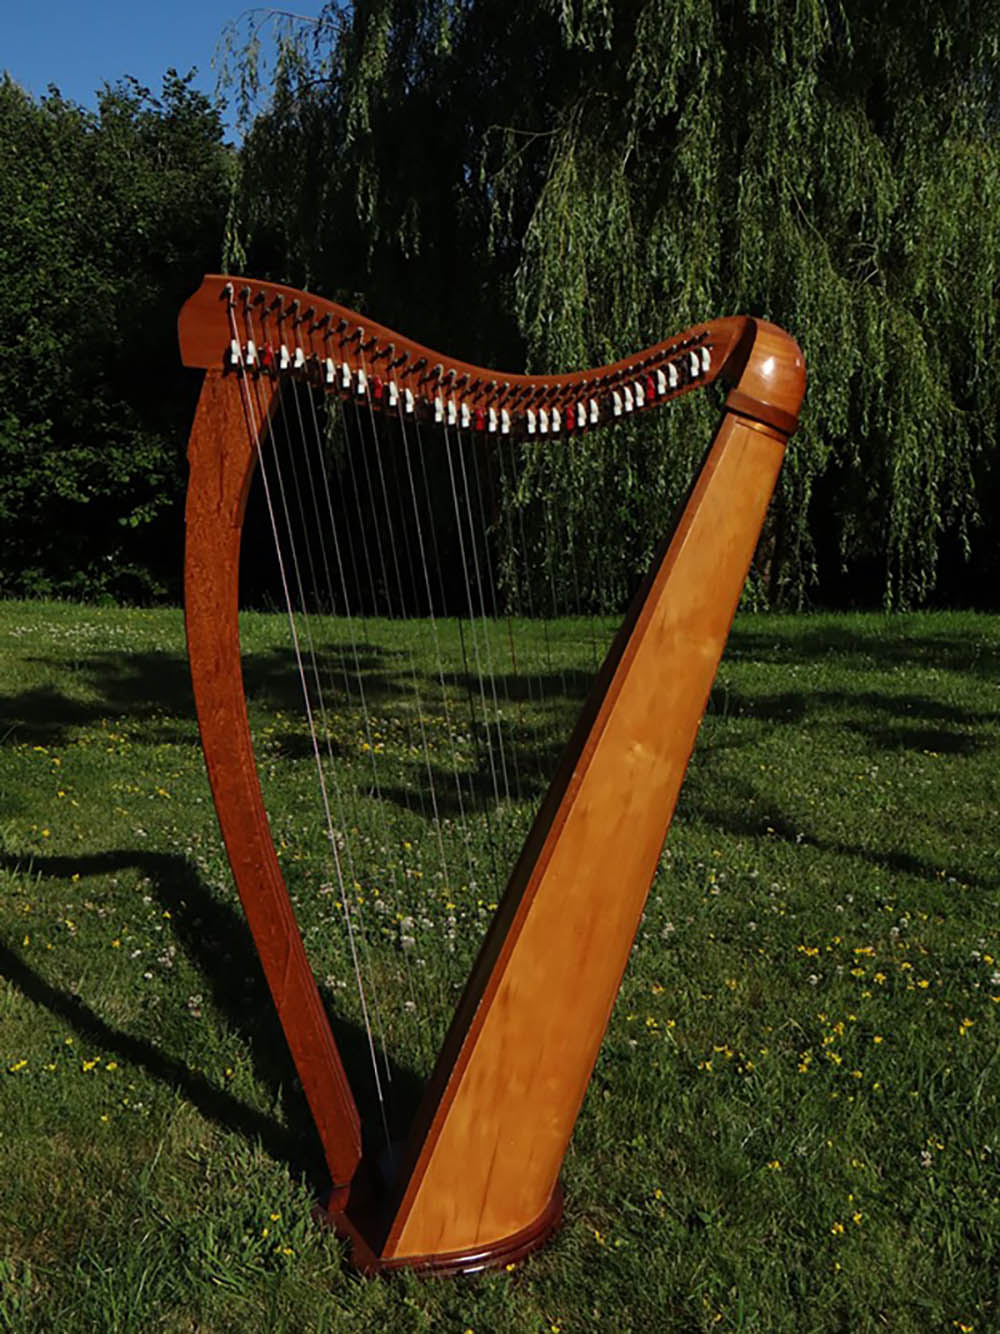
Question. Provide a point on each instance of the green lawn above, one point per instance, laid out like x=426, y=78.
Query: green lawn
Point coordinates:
x=793, y=1125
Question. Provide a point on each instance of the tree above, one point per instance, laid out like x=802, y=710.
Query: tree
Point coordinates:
x=563, y=182
x=107, y=221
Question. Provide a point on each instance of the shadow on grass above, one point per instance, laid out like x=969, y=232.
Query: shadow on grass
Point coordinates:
x=155, y=688
x=869, y=643
x=737, y=817
x=217, y=941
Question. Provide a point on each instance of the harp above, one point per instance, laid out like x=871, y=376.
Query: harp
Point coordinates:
x=475, y=1181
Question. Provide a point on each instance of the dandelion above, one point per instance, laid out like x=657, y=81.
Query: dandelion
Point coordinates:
x=775, y=1165
x=838, y=1229
x=964, y=1026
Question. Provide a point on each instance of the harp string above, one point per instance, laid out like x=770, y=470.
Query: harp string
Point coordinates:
x=383, y=446
x=311, y=442
x=328, y=527
x=400, y=573
x=253, y=419
x=487, y=594
x=425, y=571
x=476, y=681
x=327, y=776
x=520, y=604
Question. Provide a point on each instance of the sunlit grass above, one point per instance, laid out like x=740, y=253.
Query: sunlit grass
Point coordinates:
x=793, y=1123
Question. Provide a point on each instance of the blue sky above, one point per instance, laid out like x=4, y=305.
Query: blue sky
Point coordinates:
x=79, y=45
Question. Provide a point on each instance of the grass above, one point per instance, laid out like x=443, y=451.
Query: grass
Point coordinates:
x=793, y=1124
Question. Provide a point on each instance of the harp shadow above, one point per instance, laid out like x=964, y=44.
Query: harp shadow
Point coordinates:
x=216, y=940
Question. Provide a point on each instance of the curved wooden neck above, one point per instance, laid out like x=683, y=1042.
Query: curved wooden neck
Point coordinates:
x=274, y=331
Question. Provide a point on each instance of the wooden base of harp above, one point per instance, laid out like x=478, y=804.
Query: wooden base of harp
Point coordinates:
x=496, y=1255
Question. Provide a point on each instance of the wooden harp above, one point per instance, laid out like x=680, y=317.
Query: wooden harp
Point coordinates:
x=476, y=1182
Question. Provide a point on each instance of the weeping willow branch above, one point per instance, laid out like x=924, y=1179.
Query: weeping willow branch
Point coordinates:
x=557, y=182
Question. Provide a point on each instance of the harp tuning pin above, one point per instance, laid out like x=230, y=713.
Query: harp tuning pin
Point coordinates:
x=543, y=421
x=393, y=393
x=285, y=358
x=595, y=412
x=408, y=401
x=672, y=375
x=640, y=394
x=616, y=403
x=376, y=389
x=466, y=417
x=300, y=359
x=650, y=384
x=345, y=376
x=491, y=419
x=695, y=361
x=581, y=414
x=504, y=422
x=235, y=355
x=628, y=399
x=362, y=383
x=706, y=359
x=251, y=353
x=438, y=408
x=330, y=371
x=555, y=421
x=480, y=420
x=661, y=381
x=452, y=412
x=530, y=421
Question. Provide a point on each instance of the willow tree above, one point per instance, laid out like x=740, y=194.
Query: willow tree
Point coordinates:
x=558, y=182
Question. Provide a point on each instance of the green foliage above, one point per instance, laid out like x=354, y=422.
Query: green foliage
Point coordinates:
x=107, y=221
x=565, y=182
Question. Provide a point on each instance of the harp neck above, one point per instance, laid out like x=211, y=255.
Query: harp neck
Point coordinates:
x=279, y=332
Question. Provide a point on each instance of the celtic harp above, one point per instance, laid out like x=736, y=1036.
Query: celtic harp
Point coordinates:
x=474, y=1180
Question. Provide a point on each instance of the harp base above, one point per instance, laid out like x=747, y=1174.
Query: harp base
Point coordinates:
x=496, y=1255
